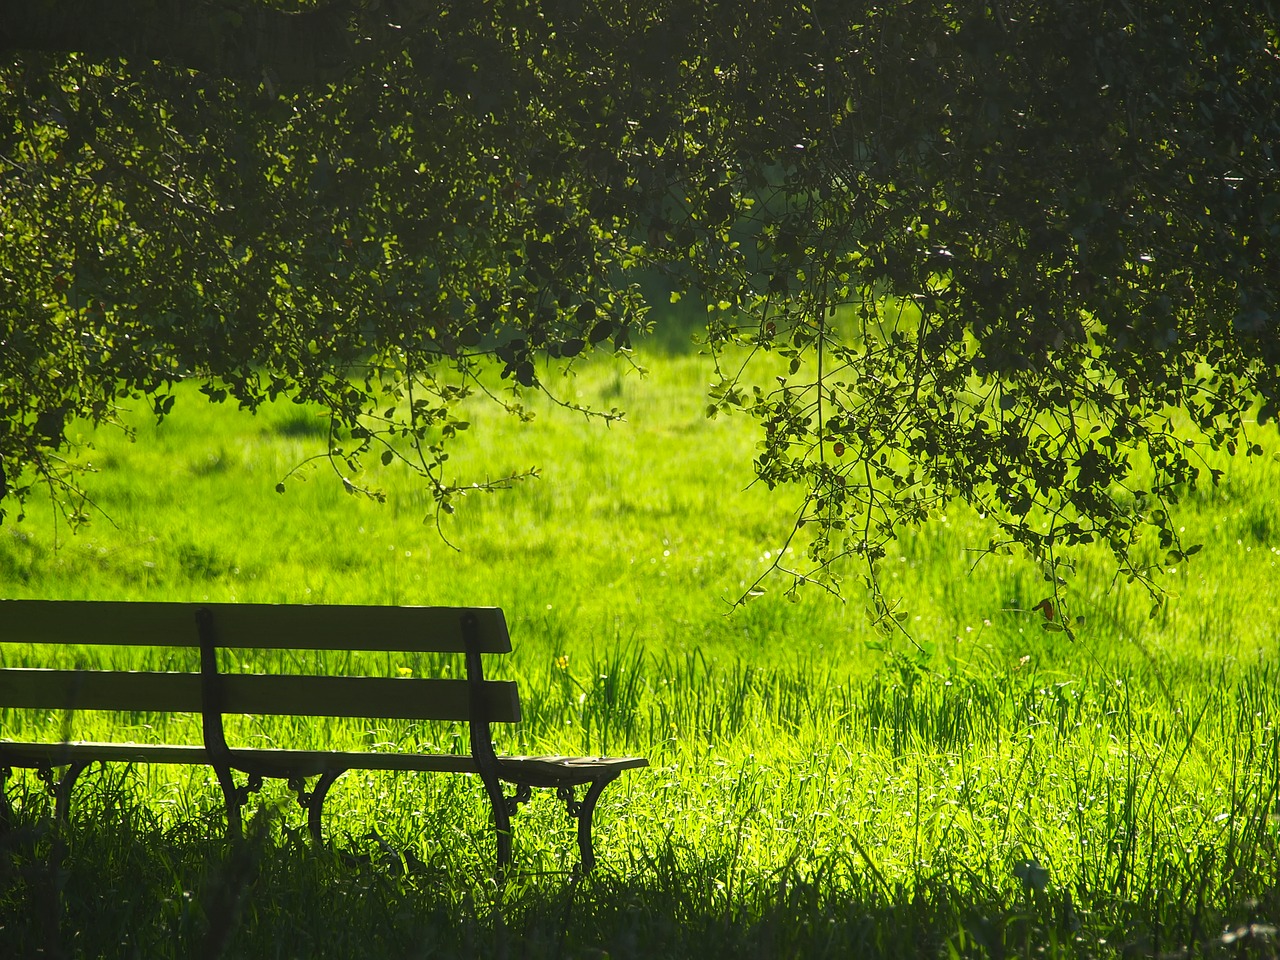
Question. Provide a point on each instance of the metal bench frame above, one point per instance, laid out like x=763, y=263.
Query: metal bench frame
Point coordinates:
x=472, y=631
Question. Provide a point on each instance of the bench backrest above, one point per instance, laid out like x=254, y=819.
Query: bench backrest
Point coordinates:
x=210, y=626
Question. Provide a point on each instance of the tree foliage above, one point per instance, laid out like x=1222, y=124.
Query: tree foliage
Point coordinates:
x=1018, y=254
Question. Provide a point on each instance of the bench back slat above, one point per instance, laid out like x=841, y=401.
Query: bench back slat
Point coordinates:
x=261, y=625
x=268, y=695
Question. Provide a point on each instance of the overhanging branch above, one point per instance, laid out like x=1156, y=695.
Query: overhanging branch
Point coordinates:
x=238, y=40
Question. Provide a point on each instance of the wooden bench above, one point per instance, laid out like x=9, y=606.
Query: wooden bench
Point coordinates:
x=212, y=693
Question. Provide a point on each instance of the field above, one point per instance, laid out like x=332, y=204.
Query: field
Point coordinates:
x=993, y=789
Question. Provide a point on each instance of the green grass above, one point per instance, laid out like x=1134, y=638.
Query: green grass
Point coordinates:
x=808, y=796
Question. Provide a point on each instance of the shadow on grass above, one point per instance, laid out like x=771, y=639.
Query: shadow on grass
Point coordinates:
x=118, y=885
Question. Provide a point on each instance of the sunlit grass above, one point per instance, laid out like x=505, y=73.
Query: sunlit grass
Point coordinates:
x=989, y=788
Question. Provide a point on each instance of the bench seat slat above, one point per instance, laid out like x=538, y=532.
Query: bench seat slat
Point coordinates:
x=546, y=771
x=267, y=626
x=269, y=695
x=554, y=771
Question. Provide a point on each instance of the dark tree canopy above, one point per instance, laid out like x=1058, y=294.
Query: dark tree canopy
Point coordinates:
x=1018, y=254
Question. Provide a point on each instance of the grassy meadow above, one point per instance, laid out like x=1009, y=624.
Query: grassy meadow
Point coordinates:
x=998, y=790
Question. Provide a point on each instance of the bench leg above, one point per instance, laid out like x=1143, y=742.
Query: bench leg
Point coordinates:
x=6, y=811
x=583, y=812
x=60, y=787
x=313, y=801
x=501, y=822
x=62, y=799
x=230, y=794
x=236, y=797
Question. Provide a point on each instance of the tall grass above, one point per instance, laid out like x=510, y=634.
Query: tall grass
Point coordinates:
x=996, y=790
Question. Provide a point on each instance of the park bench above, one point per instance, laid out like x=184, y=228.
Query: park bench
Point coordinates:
x=212, y=693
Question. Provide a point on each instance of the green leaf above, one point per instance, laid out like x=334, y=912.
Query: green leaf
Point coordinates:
x=602, y=331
